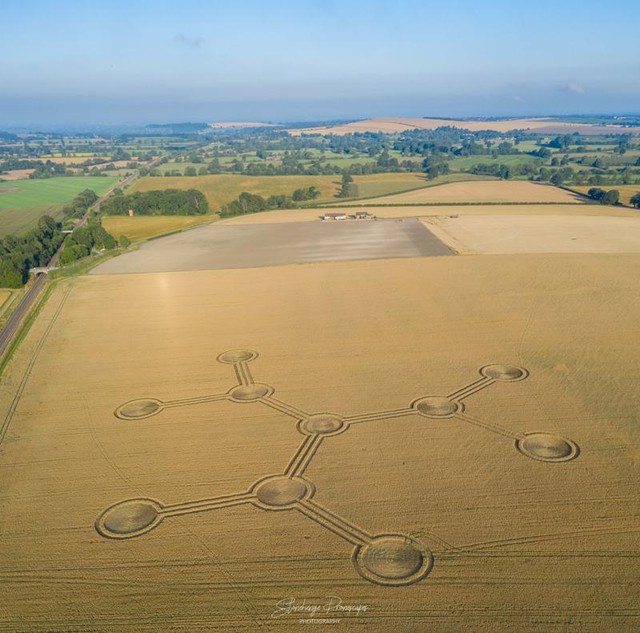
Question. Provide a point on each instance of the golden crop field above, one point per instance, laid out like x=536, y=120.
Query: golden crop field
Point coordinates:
x=142, y=227
x=223, y=188
x=626, y=191
x=398, y=124
x=446, y=443
x=482, y=191
x=504, y=234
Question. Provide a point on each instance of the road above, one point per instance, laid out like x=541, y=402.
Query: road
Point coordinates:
x=14, y=322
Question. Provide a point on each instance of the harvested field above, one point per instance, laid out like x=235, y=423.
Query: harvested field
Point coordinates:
x=143, y=227
x=215, y=247
x=538, y=234
x=4, y=296
x=399, y=124
x=482, y=191
x=313, y=215
x=16, y=174
x=492, y=513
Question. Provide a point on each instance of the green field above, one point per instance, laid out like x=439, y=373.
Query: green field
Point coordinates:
x=505, y=159
x=20, y=210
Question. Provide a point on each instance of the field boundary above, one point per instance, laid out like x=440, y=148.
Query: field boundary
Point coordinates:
x=445, y=204
x=397, y=193
x=34, y=357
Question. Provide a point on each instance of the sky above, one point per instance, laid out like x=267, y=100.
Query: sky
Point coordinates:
x=81, y=62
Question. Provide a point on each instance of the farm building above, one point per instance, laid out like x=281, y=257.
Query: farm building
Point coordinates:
x=334, y=216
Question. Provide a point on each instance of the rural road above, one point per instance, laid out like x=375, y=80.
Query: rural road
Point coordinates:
x=28, y=301
x=13, y=323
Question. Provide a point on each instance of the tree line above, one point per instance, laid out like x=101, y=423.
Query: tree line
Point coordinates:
x=84, y=240
x=253, y=203
x=18, y=255
x=160, y=202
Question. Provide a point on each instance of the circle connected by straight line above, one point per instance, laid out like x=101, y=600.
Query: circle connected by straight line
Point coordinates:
x=322, y=424
x=546, y=447
x=237, y=356
x=250, y=393
x=504, y=373
x=281, y=492
x=437, y=407
x=130, y=518
x=138, y=409
x=393, y=560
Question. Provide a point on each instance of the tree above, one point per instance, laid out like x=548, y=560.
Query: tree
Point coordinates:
x=611, y=197
x=635, y=200
x=190, y=171
x=347, y=187
x=124, y=241
x=556, y=178
x=595, y=193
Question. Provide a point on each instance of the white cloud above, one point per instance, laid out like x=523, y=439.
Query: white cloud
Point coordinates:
x=573, y=87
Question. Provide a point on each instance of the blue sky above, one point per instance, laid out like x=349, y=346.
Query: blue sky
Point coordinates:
x=112, y=62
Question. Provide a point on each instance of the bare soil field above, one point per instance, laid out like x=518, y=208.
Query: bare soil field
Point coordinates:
x=215, y=247
x=482, y=191
x=538, y=234
x=313, y=215
x=399, y=124
x=451, y=443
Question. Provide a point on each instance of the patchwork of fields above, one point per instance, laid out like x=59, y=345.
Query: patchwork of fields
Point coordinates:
x=399, y=124
x=450, y=441
x=223, y=188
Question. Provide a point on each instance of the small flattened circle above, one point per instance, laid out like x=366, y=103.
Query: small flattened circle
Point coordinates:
x=322, y=424
x=237, y=356
x=281, y=491
x=394, y=560
x=504, y=373
x=138, y=409
x=437, y=407
x=128, y=519
x=547, y=447
x=250, y=393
